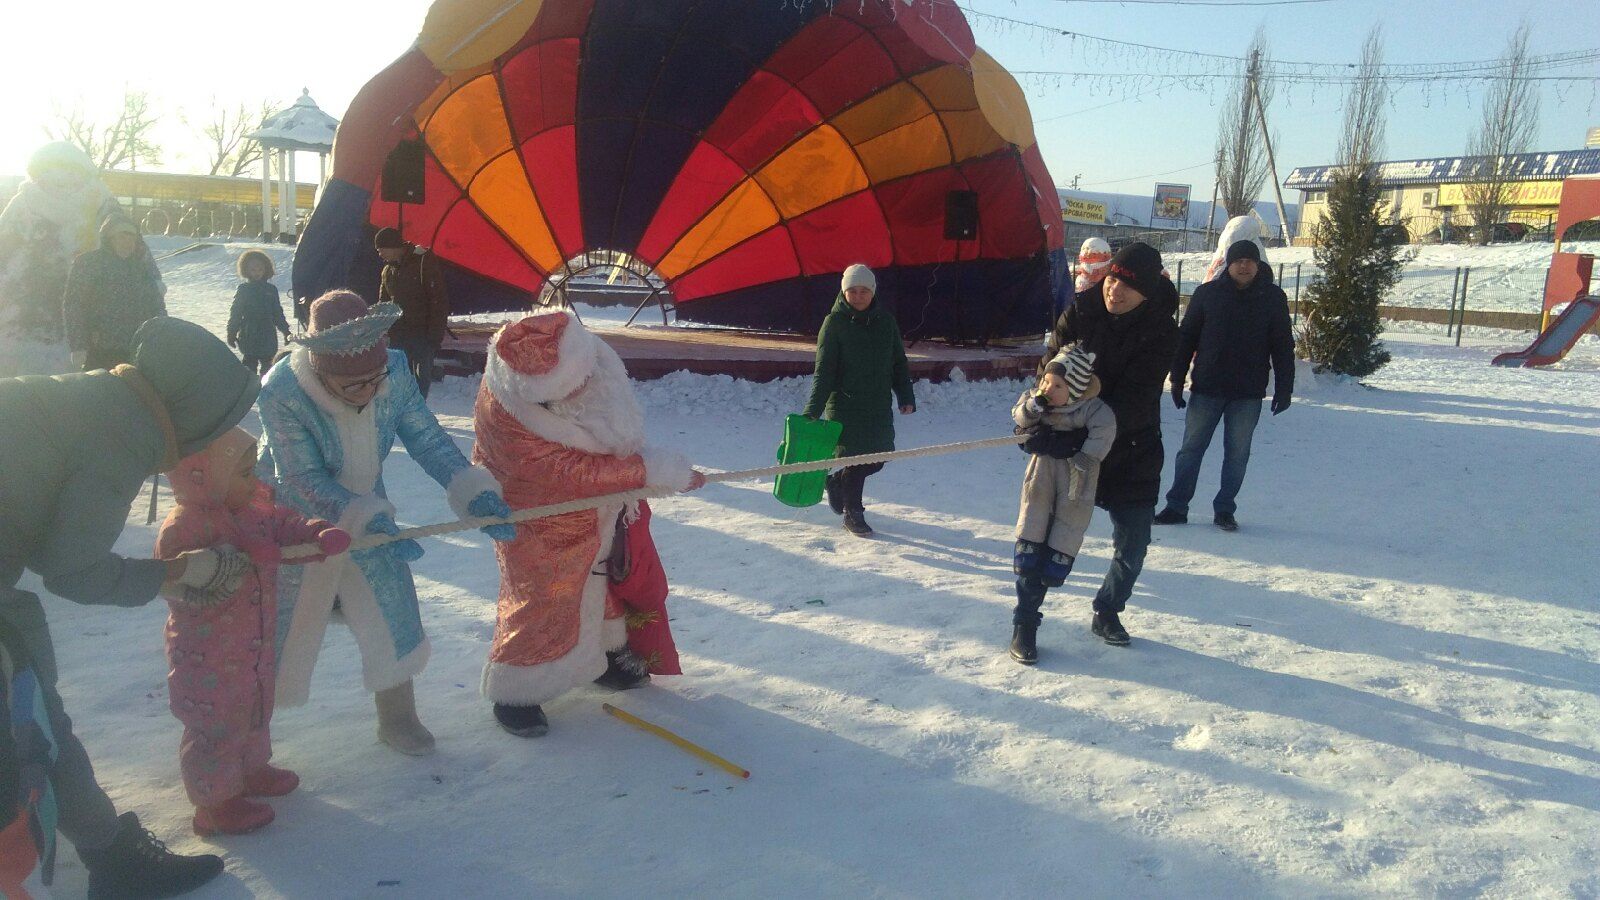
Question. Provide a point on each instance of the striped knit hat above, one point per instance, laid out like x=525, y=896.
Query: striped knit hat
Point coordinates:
x=1075, y=366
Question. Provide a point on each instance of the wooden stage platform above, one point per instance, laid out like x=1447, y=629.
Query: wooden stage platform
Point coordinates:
x=654, y=351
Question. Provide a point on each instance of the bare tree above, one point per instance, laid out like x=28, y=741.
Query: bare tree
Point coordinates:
x=1242, y=168
x=1510, y=121
x=127, y=141
x=1361, y=144
x=232, y=152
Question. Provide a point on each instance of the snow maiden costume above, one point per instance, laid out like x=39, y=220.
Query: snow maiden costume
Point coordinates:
x=325, y=459
x=557, y=420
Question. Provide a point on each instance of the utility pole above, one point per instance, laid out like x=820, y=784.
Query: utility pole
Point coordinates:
x=1216, y=182
x=1075, y=180
x=1266, y=139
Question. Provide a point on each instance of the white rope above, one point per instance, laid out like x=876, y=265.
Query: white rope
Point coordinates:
x=368, y=541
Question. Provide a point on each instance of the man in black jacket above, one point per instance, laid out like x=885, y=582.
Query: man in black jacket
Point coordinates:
x=1126, y=322
x=1236, y=325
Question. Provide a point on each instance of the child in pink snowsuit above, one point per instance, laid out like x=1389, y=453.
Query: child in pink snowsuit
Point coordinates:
x=222, y=657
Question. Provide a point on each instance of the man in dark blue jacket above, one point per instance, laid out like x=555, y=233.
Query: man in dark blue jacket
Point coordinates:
x=1236, y=326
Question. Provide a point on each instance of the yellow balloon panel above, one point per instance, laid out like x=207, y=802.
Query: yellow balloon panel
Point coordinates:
x=743, y=213
x=501, y=190
x=947, y=87
x=971, y=135
x=461, y=34
x=909, y=149
x=816, y=170
x=1002, y=100
x=899, y=104
x=469, y=129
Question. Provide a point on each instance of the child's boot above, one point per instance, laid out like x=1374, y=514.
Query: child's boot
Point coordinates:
x=270, y=781
x=398, y=725
x=1024, y=644
x=235, y=816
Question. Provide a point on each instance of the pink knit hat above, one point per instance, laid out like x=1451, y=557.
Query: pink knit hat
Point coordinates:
x=345, y=337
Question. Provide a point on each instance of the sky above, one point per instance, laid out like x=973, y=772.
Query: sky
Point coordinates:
x=191, y=57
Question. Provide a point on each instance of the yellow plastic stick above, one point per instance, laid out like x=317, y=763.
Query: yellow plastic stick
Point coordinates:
x=666, y=735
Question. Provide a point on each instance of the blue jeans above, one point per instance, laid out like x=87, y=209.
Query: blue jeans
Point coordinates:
x=1130, y=538
x=1238, y=418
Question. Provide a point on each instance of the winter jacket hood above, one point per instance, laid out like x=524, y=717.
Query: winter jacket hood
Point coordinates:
x=204, y=387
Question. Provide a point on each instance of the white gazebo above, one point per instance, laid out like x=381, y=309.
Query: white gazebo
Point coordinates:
x=302, y=126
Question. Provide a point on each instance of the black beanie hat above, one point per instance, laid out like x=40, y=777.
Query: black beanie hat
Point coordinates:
x=1243, y=250
x=1139, y=264
x=388, y=239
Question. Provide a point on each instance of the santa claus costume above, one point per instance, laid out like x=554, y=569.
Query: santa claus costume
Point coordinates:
x=557, y=420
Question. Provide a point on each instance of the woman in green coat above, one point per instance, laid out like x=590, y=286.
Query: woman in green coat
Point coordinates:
x=861, y=375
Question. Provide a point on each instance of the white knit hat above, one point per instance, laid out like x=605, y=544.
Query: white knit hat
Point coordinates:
x=859, y=275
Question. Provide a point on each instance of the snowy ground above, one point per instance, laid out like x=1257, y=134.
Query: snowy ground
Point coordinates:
x=1384, y=684
x=1504, y=277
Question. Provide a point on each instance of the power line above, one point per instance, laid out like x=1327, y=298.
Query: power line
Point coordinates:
x=1209, y=162
x=1201, y=2
x=1277, y=67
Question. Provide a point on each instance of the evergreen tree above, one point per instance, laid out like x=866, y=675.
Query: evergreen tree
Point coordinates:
x=1359, y=261
x=1360, y=265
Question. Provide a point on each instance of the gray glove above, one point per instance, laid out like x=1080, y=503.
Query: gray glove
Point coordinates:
x=210, y=576
x=1078, y=469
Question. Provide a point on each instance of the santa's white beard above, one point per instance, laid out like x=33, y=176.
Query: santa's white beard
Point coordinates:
x=605, y=407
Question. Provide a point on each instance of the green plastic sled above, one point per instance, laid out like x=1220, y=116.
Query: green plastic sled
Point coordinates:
x=805, y=440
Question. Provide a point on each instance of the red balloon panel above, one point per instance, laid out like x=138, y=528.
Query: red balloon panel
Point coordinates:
x=706, y=178
x=766, y=257
x=844, y=232
x=467, y=240
x=915, y=210
x=421, y=220
x=763, y=118
x=1008, y=219
x=853, y=73
x=551, y=160
x=540, y=86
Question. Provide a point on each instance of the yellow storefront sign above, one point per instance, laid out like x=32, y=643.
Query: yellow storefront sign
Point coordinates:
x=1518, y=193
x=1087, y=212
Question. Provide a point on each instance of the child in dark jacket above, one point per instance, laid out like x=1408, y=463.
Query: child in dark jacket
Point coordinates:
x=221, y=648
x=1059, y=487
x=861, y=371
x=257, y=315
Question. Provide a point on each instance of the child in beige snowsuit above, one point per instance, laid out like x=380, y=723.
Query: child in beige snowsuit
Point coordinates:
x=1073, y=433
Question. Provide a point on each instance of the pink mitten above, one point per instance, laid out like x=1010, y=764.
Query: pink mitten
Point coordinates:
x=333, y=541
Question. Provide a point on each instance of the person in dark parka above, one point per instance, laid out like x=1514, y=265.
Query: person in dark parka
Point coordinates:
x=1126, y=321
x=1235, y=327
x=256, y=319
x=861, y=370
x=110, y=292
x=74, y=451
x=413, y=280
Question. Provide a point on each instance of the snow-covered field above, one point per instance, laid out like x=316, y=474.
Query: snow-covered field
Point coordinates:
x=1504, y=277
x=1385, y=683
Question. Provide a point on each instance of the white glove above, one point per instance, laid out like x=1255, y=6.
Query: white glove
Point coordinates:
x=210, y=576
x=79, y=357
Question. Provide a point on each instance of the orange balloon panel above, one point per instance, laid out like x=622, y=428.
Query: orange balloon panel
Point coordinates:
x=746, y=211
x=501, y=190
x=817, y=169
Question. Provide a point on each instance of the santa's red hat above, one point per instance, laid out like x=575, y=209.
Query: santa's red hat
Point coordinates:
x=541, y=358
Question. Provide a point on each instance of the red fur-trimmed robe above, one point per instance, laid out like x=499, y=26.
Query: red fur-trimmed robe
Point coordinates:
x=557, y=616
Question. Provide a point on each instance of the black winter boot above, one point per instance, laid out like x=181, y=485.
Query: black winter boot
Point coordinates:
x=1024, y=646
x=1170, y=516
x=1109, y=629
x=1226, y=522
x=137, y=865
x=855, y=522
x=624, y=670
x=522, y=721
x=835, y=493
